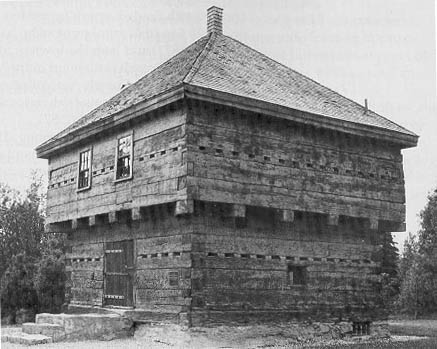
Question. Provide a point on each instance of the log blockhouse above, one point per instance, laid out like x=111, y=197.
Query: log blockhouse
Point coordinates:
x=224, y=187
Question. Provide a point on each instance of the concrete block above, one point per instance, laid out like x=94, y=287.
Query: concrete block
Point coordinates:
x=55, y=331
x=46, y=318
x=26, y=339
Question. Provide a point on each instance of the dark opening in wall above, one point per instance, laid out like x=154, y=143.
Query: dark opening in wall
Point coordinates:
x=173, y=278
x=296, y=275
x=124, y=216
x=240, y=222
x=260, y=217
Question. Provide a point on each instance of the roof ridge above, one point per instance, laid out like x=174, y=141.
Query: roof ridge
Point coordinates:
x=318, y=83
x=199, y=59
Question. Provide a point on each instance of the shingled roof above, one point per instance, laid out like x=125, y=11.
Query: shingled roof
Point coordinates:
x=220, y=63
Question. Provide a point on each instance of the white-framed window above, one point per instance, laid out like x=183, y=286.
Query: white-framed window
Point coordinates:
x=84, y=175
x=123, y=158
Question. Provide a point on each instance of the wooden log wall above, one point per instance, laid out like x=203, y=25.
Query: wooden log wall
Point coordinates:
x=162, y=245
x=240, y=271
x=313, y=200
x=247, y=158
x=159, y=170
x=235, y=262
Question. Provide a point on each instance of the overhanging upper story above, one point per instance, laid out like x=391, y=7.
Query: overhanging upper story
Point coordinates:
x=137, y=149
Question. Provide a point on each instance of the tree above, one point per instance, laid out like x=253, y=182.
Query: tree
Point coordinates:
x=18, y=291
x=419, y=265
x=31, y=261
x=408, y=255
x=428, y=233
x=388, y=258
x=50, y=276
x=21, y=222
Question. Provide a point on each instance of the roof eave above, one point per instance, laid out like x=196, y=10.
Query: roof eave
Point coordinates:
x=197, y=92
x=53, y=145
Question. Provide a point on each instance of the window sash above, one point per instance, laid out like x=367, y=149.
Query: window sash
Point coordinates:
x=84, y=169
x=124, y=158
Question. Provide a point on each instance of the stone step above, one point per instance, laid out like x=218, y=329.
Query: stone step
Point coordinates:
x=26, y=338
x=57, y=332
x=46, y=318
x=89, y=326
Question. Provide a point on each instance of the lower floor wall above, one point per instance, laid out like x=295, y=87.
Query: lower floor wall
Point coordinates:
x=210, y=277
x=158, y=278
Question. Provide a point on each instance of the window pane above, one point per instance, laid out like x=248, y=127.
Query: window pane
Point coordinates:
x=84, y=166
x=123, y=167
x=84, y=160
x=83, y=179
x=124, y=146
x=124, y=157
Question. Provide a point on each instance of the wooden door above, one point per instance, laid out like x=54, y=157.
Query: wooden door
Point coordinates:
x=119, y=273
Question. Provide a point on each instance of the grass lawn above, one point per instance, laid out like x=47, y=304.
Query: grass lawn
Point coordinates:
x=425, y=343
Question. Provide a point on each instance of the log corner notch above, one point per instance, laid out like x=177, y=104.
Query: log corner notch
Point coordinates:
x=112, y=217
x=238, y=211
x=184, y=207
x=286, y=216
x=136, y=213
x=373, y=223
x=333, y=219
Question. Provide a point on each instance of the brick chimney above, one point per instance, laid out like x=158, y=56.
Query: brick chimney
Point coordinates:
x=214, y=20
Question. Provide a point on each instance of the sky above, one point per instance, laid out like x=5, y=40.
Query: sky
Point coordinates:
x=59, y=60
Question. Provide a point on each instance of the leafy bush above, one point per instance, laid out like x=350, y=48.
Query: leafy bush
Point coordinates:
x=31, y=262
x=50, y=276
x=18, y=290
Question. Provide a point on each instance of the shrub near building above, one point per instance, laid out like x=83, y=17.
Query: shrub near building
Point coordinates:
x=32, y=267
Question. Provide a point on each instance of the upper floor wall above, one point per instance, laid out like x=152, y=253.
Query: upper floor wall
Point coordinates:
x=251, y=159
x=207, y=152
x=139, y=165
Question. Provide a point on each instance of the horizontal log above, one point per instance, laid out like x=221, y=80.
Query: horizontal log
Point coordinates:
x=160, y=279
x=279, y=247
x=164, y=262
x=244, y=126
x=315, y=269
x=245, y=170
x=282, y=198
x=164, y=244
x=168, y=297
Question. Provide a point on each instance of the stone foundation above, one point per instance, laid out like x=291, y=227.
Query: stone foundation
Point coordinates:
x=255, y=335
